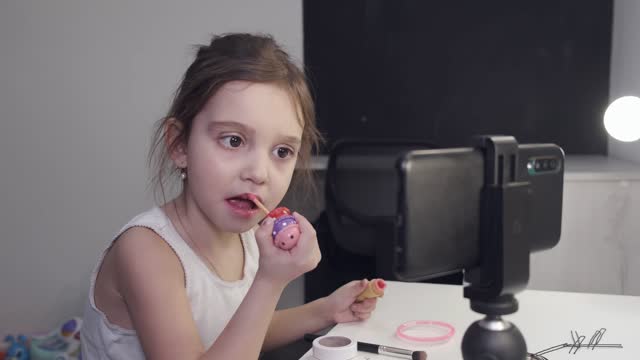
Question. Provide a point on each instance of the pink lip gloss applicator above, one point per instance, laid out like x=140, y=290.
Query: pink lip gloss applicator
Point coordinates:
x=286, y=231
x=258, y=203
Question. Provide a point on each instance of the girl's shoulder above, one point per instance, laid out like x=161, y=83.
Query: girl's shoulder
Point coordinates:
x=153, y=219
x=147, y=241
x=144, y=237
x=141, y=249
x=137, y=265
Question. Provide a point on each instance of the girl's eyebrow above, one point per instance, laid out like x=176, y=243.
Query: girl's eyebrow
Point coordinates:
x=290, y=139
x=229, y=124
x=294, y=140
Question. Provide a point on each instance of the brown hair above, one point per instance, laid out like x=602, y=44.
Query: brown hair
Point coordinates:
x=232, y=57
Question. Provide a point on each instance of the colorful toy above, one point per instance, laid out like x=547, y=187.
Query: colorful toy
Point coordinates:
x=278, y=212
x=4, y=346
x=286, y=230
x=18, y=348
x=375, y=288
x=62, y=343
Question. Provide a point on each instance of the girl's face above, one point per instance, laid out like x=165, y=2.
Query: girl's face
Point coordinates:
x=244, y=141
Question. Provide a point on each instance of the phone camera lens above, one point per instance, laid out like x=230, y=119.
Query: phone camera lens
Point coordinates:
x=545, y=164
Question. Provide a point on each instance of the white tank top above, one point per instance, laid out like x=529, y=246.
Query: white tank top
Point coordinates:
x=213, y=300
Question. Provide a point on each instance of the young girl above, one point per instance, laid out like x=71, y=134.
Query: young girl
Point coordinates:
x=198, y=277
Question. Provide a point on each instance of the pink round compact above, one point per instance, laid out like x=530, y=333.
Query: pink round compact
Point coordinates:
x=425, y=331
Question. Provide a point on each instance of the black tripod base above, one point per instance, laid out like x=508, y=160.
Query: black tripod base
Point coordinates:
x=493, y=339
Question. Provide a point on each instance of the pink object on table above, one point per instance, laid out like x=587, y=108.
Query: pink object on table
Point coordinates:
x=447, y=331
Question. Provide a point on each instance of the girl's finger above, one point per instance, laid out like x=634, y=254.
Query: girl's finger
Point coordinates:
x=365, y=305
x=264, y=230
x=362, y=315
x=305, y=225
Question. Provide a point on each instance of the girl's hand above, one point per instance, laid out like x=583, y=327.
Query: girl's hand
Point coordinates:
x=282, y=266
x=342, y=305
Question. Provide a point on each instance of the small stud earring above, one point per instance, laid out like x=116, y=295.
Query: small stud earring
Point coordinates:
x=183, y=174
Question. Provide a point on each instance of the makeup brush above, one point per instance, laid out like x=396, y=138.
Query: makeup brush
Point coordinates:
x=381, y=349
x=392, y=351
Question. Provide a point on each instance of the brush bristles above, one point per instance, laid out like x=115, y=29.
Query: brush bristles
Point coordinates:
x=419, y=355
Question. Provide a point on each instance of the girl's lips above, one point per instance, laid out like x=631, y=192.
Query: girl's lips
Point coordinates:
x=240, y=209
x=251, y=197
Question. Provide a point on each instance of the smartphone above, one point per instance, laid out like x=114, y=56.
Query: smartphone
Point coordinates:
x=439, y=207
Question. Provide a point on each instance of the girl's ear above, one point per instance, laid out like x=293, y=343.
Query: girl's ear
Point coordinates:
x=175, y=145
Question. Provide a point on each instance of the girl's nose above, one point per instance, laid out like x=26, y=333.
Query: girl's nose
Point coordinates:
x=256, y=169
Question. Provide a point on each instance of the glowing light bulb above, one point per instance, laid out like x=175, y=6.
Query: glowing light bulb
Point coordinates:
x=622, y=119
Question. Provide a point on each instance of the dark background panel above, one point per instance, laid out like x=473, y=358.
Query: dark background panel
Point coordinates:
x=444, y=71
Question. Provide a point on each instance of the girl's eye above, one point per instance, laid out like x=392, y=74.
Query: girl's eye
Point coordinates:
x=232, y=141
x=283, y=152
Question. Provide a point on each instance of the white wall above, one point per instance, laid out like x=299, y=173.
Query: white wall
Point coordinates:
x=625, y=67
x=81, y=83
x=598, y=250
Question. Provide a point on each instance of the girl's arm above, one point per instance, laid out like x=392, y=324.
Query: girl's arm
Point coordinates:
x=151, y=280
x=291, y=324
x=341, y=306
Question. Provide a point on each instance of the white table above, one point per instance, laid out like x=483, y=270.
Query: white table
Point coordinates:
x=545, y=318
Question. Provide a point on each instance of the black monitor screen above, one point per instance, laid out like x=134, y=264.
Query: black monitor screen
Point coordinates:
x=443, y=71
